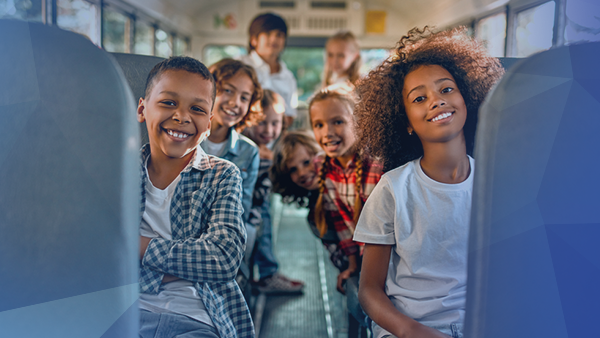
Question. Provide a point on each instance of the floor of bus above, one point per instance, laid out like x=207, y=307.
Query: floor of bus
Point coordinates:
x=321, y=310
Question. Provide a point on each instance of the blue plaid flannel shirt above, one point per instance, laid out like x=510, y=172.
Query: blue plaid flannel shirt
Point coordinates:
x=208, y=241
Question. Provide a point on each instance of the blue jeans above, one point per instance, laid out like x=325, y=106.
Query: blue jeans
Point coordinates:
x=264, y=257
x=454, y=330
x=171, y=325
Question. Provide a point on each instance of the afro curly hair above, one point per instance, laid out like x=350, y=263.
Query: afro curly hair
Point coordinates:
x=380, y=113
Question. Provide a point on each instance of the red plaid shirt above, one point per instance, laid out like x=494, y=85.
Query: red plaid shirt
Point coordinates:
x=340, y=195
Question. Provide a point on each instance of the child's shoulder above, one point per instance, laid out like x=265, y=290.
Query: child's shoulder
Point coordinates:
x=247, y=141
x=402, y=172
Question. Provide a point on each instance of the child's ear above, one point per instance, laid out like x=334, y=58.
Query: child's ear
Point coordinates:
x=253, y=41
x=409, y=129
x=141, y=110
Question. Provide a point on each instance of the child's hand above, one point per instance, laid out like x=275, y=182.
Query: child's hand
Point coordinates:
x=265, y=153
x=144, y=241
x=422, y=331
x=342, y=278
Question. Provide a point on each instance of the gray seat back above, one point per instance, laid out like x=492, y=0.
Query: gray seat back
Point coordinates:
x=69, y=188
x=136, y=69
x=534, y=262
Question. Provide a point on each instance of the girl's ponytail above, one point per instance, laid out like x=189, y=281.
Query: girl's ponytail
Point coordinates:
x=319, y=212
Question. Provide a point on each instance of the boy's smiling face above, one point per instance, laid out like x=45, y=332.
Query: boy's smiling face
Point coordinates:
x=177, y=112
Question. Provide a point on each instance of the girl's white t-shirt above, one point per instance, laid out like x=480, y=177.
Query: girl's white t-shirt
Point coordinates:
x=179, y=296
x=427, y=223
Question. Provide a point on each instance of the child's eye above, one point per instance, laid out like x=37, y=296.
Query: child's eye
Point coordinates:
x=306, y=162
x=447, y=90
x=245, y=99
x=197, y=109
x=168, y=103
x=317, y=125
x=338, y=122
x=419, y=99
x=292, y=170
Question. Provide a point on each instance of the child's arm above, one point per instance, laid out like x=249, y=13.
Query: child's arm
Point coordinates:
x=216, y=255
x=249, y=183
x=375, y=302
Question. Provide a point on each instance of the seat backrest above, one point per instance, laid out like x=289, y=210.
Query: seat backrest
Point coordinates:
x=136, y=69
x=69, y=187
x=534, y=262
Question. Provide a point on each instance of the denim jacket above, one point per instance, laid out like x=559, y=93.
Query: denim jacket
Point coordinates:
x=244, y=154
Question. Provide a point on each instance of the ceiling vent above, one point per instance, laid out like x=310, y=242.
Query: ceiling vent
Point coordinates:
x=277, y=4
x=328, y=5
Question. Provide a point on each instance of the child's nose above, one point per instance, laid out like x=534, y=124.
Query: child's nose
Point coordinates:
x=181, y=117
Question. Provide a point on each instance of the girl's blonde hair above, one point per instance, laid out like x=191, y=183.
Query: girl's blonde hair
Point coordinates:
x=280, y=174
x=347, y=99
x=353, y=71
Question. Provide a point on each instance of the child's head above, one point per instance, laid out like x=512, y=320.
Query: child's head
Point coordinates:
x=295, y=170
x=272, y=108
x=386, y=101
x=332, y=121
x=237, y=90
x=342, y=57
x=267, y=34
x=177, y=104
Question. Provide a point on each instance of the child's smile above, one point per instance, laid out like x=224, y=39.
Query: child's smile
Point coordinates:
x=233, y=100
x=177, y=112
x=332, y=124
x=434, y=106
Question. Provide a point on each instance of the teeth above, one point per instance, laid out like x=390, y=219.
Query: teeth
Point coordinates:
x=441, y=116
x=229, y=112
x=178, y=135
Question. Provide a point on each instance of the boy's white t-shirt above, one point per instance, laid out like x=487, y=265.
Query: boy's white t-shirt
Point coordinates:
x=427, y=222
x=179, y=296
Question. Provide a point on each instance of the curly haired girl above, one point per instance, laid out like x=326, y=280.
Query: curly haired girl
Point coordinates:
x=346, y=178
x=418, y=113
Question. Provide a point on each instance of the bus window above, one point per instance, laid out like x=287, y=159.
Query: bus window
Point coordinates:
x=180, y=46
x=492, y=32
x=80, y=17
x=214, y=53
x=162, y=44
x=115, y=31
x=534, y=29
x=307, y=65
x=583, y=23
x=143, y=38
x=30, y=10
x=372, y=58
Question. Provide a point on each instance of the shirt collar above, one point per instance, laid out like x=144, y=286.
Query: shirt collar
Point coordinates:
x=234, y=144
x=334, y=164
x=260, y=63
x=199, y=160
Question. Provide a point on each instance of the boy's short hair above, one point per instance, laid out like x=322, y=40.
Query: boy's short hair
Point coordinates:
x=180, y=63
x=264, y=23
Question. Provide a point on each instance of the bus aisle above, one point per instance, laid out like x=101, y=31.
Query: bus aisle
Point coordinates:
x=320, y=311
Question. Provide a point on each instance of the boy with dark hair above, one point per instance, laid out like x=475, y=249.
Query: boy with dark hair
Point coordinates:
x=191, y=236
x=267, y=35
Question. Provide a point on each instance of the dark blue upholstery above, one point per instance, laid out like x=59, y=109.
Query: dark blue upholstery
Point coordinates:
x=136, y=69
x=69, y=187
x=534, y=258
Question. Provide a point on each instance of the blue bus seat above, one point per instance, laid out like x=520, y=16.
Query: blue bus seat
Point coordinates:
x=534, y=262
x=136, y=69
x=69, y=188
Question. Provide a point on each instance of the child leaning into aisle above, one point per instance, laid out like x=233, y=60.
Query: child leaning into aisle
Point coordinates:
x=267, y=34
x=346, y=177
x=191, y=213
x=419, y=111
x=266, y=131
x=297, y=159
x=342, y=60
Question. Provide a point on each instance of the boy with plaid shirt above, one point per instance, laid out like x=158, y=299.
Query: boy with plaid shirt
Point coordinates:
x=192, y=236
